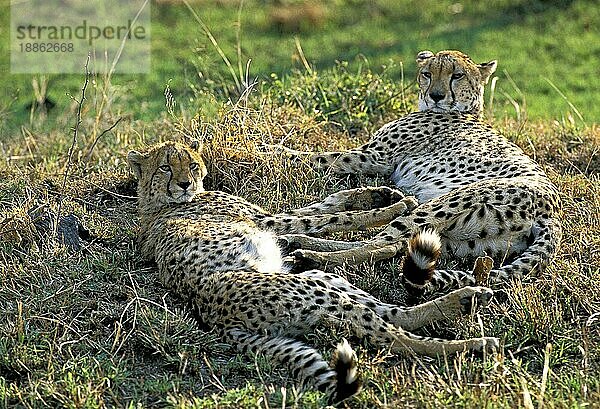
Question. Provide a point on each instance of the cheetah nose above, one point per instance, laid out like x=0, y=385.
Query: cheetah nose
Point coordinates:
x=436, y=96
x=184, y=185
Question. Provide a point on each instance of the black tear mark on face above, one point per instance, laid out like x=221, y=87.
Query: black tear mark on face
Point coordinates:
x=170, y=177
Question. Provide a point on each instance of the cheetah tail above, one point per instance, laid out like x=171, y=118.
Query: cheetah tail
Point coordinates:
x=344, y=363
x=546, y=235
x=338, y=379
x=424, y=250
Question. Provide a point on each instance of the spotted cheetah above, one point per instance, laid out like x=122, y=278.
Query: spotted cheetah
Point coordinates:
x=221, y=252
x=479, y=194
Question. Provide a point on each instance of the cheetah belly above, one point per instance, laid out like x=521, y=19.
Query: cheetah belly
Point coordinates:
x=498, y=247
x=261, y=252
x=433, y=175
x=219, y=244
x=418, y=181
x=484, y=234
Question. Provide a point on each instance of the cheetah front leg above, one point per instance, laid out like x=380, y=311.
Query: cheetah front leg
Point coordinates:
x=367, y=198
x=362, y=160
x=388, y=243
x=337, y=222
x=364, y=198
x=291, y=242
x=363, y=252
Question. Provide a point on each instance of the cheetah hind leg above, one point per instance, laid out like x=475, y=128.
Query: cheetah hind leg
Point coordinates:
x=459, y=302
x=442, y=281
x=339, y=379
x=366, y=323
x=345, y=309
x=419, y=274
x=547, y=235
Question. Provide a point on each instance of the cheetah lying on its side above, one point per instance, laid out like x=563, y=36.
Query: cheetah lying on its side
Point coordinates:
x=221, y=252
x=479, y=194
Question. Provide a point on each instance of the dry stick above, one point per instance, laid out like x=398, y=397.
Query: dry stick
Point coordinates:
x=545, y=372
x=89, y=153
x=72, y=147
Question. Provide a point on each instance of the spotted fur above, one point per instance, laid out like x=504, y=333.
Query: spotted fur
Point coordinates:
x=480, y=192
x=220, y=252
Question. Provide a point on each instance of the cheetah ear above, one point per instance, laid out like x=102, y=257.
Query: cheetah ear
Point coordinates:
x=423, y=56
x=486, y=70
x=196, y=145
x=135, y=160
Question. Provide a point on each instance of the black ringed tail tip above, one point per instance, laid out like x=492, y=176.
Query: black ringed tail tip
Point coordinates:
x=345, y=365
x=424, y=251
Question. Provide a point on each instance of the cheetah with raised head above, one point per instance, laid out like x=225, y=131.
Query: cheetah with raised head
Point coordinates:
x=221, y=252
x=479, y=194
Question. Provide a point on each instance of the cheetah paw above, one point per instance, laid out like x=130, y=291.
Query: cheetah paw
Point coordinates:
x=473, y=298
x=368, y=198
x=280, y=149
x=411, y=202
x=402, y=208
x=383, y=196
x=305, y=260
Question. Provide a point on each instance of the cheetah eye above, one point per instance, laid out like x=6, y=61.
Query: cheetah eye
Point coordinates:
x=426, y=74
x=165, y=168
x=457, y=76
x=194, y=166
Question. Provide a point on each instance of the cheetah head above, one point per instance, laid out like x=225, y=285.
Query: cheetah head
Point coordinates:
x=168, y=173
x=451, y=81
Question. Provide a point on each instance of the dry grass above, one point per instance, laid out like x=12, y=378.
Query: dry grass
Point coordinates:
x=94, y=328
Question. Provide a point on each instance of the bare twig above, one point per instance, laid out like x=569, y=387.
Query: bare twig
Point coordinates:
x=73, y=143
x=89, y=153
x=300, y=52
x=115, y=194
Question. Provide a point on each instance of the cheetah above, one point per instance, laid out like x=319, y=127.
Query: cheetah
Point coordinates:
x=221, y=253
x=479, y=194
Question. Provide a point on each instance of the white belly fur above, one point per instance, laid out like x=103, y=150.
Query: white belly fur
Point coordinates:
x=262, y=252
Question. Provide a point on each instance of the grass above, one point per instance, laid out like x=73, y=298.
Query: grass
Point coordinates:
x=94, y=328
x=544, y=49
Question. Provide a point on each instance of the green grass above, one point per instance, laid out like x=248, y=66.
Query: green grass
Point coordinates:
x=540, y=45
x=95, y=328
